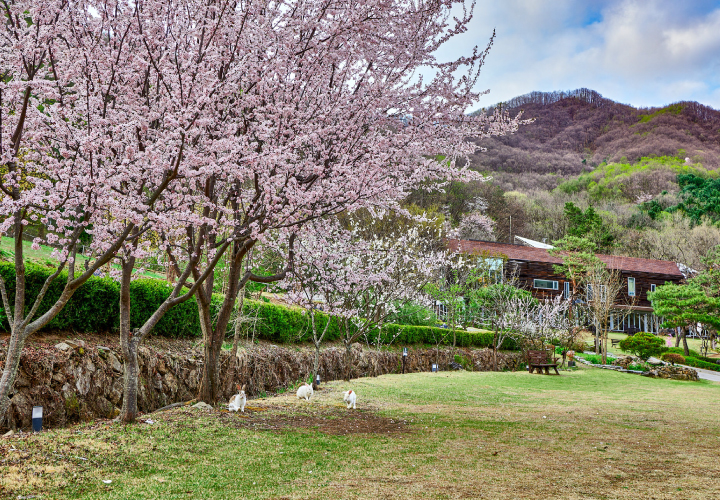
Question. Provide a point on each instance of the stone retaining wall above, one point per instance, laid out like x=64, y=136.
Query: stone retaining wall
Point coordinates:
x=81, y=380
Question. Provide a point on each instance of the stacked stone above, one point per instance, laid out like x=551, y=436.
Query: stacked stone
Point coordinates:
x=673, y=372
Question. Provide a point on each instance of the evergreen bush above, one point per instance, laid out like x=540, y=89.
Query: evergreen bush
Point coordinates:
x=643, y=345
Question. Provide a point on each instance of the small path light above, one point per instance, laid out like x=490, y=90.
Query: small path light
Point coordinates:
x=37, y=416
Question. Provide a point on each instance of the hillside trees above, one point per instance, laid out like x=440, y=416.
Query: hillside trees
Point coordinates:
x=700, y=197
x=589, y=225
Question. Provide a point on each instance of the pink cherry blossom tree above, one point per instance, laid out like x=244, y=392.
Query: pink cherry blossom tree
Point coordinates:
x=53, y=159
x=335, y=116
x=312, y=284
x=219, y=121
x=111, y=121
x=183, y=56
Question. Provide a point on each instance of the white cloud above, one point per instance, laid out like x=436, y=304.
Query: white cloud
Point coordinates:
x=641, y=52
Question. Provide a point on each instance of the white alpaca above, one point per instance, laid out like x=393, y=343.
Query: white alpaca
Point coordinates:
x=350, y=398
x=237, y=402
x=305, y=391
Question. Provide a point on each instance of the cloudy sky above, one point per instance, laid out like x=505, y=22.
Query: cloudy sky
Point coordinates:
x=639, y=52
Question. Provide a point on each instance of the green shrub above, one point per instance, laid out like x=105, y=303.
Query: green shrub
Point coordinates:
x=672, y=358
x=429, y=335
x=95, y=306
x=699, y=363
x=464, y=362
x=679, y=350
x=595, y=359
x=287, y=324
x=643, y=345
x=413, y=314
x=696, y=355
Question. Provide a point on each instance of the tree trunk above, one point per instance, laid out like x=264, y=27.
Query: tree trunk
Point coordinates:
x=597, y=339
x=12, y=361
x=236, y=337
x=604, y=347
x=128, y=347
x=214, y=336
x=316, y=366
x=684, y=341
x=495, y=348
x=677, y=337
x=210, y=384
x=348, y=361
x=131, y=373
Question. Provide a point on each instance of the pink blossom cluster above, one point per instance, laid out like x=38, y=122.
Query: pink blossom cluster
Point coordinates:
x=123, y=113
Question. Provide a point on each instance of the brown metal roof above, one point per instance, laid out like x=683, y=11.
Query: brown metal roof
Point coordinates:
x=530, y=254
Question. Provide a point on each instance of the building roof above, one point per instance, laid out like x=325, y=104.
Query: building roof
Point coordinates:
x=530, y=254
x=532, y=243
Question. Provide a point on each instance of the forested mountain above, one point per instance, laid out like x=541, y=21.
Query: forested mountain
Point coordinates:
x=639, y=182
x=576, y=131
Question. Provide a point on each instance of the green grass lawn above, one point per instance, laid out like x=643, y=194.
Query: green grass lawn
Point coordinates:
x=586, y=434
x=43, y=256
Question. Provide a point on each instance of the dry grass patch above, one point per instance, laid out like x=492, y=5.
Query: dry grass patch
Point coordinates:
x=587, y=434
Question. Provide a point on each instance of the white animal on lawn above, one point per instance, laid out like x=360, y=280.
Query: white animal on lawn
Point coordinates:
x=305, y=391
x=237, y=402
x=350, y=398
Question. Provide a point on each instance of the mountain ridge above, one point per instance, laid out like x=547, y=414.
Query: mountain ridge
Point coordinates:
x=576, y=131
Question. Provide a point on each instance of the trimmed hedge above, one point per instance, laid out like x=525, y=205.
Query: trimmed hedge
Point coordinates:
x=429, y=335
x=699, y=363
x=680, y=350
x=287, y=325
x=695, y=354
x=696, y=360
x=95, y=308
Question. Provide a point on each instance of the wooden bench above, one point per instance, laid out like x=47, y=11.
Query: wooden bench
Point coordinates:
x=614, y=342
x=537, y=360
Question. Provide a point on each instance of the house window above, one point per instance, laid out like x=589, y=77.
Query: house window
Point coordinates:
x=591, y=292
x=652, y=287
x=566, y=291
x=631, y=287
x=545, y=284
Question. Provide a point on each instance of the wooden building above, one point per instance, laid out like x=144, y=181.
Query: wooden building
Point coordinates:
x=533, y=267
